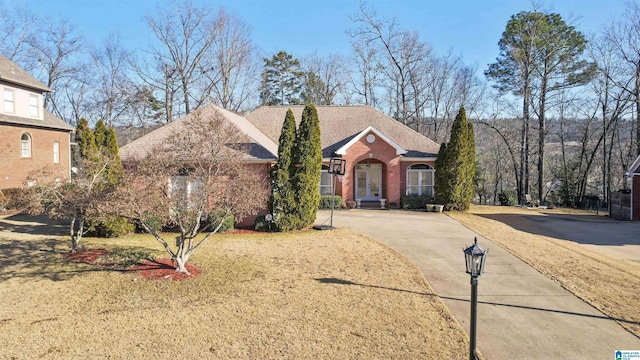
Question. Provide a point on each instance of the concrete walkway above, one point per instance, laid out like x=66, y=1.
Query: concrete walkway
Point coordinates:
x=521, y=313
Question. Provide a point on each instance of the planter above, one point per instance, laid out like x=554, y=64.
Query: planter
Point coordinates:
x=435, y=208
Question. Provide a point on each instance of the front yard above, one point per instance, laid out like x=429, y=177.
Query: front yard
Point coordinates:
x=331, y=294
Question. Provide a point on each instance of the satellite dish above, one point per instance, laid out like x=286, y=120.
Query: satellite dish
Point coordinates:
x=268, y=217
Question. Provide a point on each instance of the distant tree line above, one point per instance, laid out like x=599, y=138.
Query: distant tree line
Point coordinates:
x=558, y=112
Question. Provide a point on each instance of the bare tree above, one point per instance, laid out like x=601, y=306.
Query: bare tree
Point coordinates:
x=624, y=34
x=185, y=35
x=402, y=49
x=16, y=34
x=324, y=78
x=197, y=171
x=365, y=78
x=234, y=63
x=110, y=62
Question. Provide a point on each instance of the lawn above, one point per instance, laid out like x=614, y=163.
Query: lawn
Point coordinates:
x=610, y=285
x=313, y=294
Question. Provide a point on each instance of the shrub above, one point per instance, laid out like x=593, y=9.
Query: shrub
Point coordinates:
x=14, y=198
x=263, y=225
x=215, y=218
x=507, y=198
x=325, y=202
x=110, y=227
x=153, y=221
x=126, y=258
x=415, y=201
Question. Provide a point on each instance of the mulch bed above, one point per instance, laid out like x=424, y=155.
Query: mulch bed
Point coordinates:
x=160, y=269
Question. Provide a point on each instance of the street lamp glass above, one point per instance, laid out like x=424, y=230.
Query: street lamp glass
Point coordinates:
x=474, y=259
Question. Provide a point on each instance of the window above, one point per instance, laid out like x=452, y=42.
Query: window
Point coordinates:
x=420, y=180
x=25, y=141
x=34, y=108
x=8, y=101
x=325, y=181
x=56, y=152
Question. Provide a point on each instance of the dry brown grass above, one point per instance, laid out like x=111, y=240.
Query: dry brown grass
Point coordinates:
x=610, y=285
x=331, y=294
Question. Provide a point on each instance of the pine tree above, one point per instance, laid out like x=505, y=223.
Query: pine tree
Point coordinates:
x=307, y=159
x=442, y=182
x=282, y=199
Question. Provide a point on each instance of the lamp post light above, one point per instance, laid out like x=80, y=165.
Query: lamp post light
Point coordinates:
x=474, y=257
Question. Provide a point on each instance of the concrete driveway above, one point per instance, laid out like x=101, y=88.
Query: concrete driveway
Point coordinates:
x=521, y=313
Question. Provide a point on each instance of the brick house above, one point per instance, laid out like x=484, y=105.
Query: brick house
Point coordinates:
x=259, y=154
x=384, y=158
x=31, y=138
x=634, y=173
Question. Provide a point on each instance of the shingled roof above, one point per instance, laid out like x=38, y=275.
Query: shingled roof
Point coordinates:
x=49, y=121
x=340, y=124
x=12, y=73
x=259, y=147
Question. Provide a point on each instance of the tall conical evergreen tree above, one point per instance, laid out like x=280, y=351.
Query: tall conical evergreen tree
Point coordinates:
x=455, y=166
x=307, y=158
x=282, y=199
x=86, y=141
x=100, y=132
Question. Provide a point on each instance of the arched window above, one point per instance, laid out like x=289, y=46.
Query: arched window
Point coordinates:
x=420, y=180
x=25, y=142
x=325, y=181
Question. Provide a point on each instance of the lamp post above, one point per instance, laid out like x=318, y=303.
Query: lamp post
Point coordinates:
x=474, y=257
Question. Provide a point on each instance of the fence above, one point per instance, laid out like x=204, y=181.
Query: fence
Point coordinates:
x=620, y=205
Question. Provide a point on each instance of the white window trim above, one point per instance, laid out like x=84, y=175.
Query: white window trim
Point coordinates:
x=32, y=106
x=325, y=170
x=9, y=100
x=56, y=152
x=25, y=152
x=420, y=185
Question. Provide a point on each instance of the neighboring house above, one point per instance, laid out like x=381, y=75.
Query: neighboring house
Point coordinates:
x=260, y=151
x=634, y=173
x=384, y=158
x=31, y=138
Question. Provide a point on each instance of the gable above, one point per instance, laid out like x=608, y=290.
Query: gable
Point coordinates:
x=258, y=146
x=366, y=132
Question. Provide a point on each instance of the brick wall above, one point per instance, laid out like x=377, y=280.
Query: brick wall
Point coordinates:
x=378, y=151
x=16, y=170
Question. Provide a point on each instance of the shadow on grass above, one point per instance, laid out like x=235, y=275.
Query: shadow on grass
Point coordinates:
x=581, y=229
x=40, y=259
x=33, y=225
x=602, y=317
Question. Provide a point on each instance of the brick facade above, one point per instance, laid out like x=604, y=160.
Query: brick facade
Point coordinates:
x=15, y=170
x=377, y=152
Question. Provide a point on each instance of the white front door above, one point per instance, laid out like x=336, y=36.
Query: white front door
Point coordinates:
x=369, y=181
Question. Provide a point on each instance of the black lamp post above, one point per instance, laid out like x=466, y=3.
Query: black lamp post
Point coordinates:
x=474, y=257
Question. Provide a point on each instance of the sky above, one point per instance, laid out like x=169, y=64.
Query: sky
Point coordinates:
x=468, y=28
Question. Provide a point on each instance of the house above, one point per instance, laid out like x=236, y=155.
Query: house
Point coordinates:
x=384, y=158
x=634, y=173
x=31, y=138
x=259, y=152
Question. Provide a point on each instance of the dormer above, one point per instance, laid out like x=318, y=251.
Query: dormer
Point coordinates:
x=21, y=93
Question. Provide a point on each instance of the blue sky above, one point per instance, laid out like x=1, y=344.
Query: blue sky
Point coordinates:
x=470, y=28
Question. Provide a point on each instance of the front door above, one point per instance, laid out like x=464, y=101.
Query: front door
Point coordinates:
x=368, y=181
